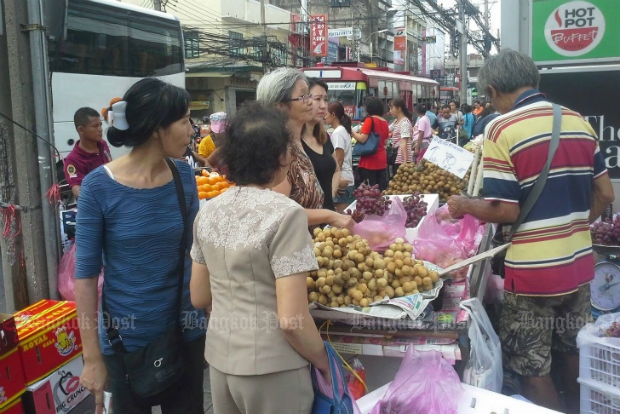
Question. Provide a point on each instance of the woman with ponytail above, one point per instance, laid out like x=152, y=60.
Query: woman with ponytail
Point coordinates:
x=341, y=140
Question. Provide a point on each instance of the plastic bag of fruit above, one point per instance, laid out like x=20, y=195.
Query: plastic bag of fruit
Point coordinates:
x=66, y=269
x=357, y=381
x=444, y=241
x=424, y=383
x=381, y=231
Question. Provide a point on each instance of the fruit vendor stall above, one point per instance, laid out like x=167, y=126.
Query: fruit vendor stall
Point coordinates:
x=383, y=287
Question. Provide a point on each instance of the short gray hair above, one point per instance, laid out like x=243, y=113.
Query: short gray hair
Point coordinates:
x=277, y=86
x=508, y=71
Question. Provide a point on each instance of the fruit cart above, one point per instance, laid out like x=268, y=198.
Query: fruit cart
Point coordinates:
x=379, y=331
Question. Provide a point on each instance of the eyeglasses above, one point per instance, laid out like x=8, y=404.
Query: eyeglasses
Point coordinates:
x=304, y=98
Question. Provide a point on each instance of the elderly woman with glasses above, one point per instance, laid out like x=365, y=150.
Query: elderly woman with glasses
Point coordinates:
x=287, y=90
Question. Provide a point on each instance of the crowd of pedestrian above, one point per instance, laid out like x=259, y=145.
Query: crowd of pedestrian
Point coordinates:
x=247, y=252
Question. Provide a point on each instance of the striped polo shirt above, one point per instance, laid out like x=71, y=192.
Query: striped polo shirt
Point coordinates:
x=551, y=253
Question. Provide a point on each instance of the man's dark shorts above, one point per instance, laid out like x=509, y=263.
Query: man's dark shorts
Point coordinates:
x=531, y=326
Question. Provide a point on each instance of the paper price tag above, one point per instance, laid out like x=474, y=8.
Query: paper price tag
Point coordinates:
x=449, y=156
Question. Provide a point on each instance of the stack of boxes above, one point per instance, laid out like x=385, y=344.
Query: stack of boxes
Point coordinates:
x=45, y=360
x=12, y=383
x=599, y=369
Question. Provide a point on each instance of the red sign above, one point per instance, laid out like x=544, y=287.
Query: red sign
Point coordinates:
x=318, y=35
x=296, y=26
x=400, y=42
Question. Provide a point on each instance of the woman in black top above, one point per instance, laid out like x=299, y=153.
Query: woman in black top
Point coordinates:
x=316, y=142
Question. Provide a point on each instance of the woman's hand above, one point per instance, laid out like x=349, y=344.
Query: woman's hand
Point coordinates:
x=342, y=221
x=94, y=377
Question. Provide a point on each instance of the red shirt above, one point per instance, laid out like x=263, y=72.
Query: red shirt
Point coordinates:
x=378, y=160
x=79, y=162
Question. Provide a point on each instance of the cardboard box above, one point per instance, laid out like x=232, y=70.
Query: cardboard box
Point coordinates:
x=12, y=382
x=13, y=406
x=59, y=393
x=48, y=336
x=8, y=333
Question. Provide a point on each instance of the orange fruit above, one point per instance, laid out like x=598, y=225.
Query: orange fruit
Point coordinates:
x=202, y=195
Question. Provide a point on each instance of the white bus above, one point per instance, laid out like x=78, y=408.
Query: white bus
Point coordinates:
x=98, y=49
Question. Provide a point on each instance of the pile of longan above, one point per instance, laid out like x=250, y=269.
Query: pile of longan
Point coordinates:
x=351, y=273
x=425, y=178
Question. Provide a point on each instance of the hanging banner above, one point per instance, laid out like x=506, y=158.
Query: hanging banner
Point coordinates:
x=575, y=31
x=400, y=39
x=318, y=35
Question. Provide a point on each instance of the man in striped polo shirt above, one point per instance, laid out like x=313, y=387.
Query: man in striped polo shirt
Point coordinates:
x=550, y=262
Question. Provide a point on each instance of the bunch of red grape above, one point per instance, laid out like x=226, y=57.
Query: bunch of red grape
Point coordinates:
x=613, y=330
x=606, y=232
x=415, y=208
x=368, y=200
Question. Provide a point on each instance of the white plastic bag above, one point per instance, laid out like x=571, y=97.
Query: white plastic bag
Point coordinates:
x=484, y=368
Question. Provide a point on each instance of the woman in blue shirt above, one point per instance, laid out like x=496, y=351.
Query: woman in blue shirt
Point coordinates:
x=129, y=221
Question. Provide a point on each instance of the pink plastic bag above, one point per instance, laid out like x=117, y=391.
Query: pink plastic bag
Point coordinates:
x=66, y=270
x=381, y=231
x=425, y=383
x=445, y=241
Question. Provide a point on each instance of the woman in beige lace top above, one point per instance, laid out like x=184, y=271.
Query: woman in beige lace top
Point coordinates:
x=251, y=258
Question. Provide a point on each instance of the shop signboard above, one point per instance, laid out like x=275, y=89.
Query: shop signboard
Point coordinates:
x=570, y=32
x=569, y=86
x=318, y=35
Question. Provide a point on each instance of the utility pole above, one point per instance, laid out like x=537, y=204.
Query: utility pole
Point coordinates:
x=266, y=55
x=24, y=268
x=157, y=4
x=463, y=53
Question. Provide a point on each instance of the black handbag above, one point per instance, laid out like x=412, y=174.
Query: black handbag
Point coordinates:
x=154, y=369
x=370, y=146
x=502, y=235
x=391, y=152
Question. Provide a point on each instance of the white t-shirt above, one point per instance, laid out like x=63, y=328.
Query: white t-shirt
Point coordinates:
x=341, y=139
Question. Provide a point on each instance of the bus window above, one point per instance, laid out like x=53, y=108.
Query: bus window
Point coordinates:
x=101, y=40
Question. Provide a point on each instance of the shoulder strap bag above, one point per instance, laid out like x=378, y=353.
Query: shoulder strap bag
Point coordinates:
x=370, y=146
x=502, y=237
x=151, y=370
x=336, y=400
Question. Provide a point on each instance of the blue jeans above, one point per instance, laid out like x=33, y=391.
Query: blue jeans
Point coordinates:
x=185, y=397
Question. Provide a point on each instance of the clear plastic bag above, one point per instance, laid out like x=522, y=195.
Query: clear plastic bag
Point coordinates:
x=425, y=383
x=357, y=388
x=484, y=367
x=381, y=231
x=66, y=271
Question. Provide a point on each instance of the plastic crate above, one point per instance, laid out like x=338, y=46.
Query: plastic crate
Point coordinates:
x=597, y=398
x=599, y=357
